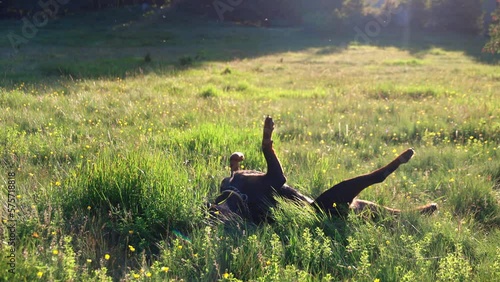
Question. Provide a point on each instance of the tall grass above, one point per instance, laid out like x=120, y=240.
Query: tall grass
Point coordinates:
x=116, y=158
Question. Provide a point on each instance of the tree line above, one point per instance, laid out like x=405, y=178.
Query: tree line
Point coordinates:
x=457, y=15
x=334, y=15
x=21, y=8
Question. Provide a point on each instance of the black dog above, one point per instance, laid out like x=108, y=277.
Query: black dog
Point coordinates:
x=250, y=194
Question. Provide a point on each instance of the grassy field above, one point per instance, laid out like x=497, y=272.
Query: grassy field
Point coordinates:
x=115, y=134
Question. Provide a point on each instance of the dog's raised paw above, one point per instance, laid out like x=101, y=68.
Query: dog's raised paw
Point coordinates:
x=406, y=156
x=268, y=128
x=237, y=157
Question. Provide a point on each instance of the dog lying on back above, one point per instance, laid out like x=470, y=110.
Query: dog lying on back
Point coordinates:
x=250, y=194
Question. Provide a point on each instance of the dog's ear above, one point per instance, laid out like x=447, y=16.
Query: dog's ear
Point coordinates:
x=224, y=185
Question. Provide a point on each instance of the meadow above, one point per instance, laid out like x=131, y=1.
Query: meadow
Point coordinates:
x=116, y=132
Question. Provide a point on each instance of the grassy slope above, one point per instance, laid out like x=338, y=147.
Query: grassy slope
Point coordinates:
x=114, y=155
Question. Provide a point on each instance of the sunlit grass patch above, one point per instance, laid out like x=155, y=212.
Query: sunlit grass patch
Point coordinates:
x=436, y=52
x=138, y=199
x=414, y=92
x=409, y=62
x=209, y=91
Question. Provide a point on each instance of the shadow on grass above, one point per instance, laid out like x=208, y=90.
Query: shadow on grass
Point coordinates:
x=94, y=45
x=420, y=43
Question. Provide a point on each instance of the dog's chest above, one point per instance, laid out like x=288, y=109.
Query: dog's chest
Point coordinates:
x=251, y=183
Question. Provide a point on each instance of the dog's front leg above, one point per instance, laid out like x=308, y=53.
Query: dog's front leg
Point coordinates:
x=274, y=173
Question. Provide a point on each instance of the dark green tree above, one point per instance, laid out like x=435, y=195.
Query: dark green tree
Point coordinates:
x=493, y=45
x=419, y=13
x=456, y=15
x=351, y=12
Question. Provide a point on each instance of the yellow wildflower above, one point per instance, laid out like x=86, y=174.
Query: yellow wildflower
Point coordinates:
x=107, y=256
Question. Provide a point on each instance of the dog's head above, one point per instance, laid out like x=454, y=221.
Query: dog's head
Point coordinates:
x=229, y=206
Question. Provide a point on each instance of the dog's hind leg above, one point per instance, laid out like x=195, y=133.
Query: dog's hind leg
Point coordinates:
x=342, y=194
x=358, y=206
x=428, y=209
